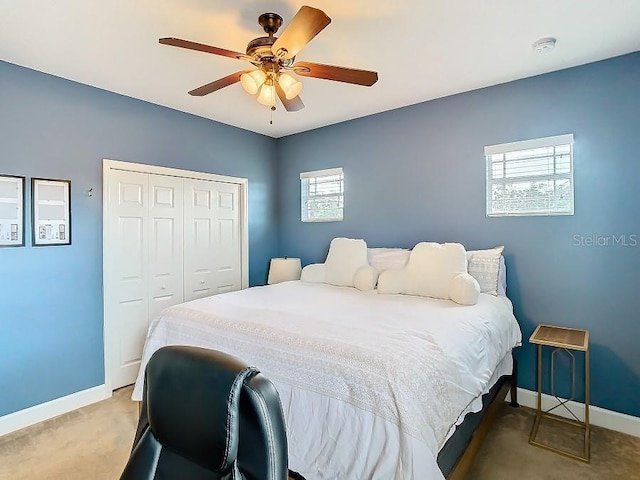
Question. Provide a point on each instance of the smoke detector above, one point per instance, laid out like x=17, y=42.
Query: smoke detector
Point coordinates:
x=544, y=45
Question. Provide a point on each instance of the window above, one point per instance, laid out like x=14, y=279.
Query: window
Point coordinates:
x=322, y=195
x=532, y=177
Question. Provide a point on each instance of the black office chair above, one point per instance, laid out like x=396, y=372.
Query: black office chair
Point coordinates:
x=207, y=416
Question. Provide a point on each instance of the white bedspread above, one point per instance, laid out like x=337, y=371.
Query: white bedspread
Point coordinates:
x=413, y=363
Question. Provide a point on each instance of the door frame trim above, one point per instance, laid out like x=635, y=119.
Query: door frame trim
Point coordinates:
x=108, y=166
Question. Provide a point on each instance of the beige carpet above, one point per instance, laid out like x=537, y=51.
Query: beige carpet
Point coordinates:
x=93, y=443
x=507, y=455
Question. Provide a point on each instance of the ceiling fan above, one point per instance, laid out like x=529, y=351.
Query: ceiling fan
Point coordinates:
x=273, y=57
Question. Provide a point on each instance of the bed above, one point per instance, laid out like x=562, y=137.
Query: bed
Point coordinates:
x=372, y=386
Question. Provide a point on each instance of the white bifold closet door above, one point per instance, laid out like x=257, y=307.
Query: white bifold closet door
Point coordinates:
x=170, y=236
x=211, y=224
x=146, y=223
x=165, y=243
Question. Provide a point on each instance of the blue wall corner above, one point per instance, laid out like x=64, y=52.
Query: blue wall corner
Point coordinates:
x=51, y=341
x=418, y=173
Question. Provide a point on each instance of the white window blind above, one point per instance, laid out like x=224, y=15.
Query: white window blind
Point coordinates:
x=532, y=177
x=322, y=195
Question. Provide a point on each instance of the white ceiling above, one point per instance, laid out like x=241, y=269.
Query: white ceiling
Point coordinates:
x=422, y=49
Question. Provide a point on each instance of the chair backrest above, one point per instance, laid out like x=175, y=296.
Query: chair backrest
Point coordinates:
x=207, y=415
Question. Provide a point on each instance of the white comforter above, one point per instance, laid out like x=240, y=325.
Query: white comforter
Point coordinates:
x=392, y=371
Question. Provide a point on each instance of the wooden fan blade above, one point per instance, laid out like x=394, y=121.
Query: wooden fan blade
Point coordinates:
x=217, y=85
x=338, y=74
x=292, y=105
x=176, y=42
x=305, y=25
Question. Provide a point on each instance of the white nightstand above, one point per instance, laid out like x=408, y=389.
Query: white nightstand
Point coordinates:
x=284, y=269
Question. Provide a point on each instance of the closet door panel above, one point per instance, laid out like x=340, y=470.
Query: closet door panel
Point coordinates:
x=128, y=229
x=165, y=245
x=228, y=243
x=212, y=238
x=199, y=239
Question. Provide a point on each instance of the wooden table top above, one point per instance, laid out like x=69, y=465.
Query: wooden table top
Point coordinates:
x=561, y=337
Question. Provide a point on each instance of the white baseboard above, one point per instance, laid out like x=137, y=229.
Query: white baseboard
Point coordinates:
x=601, y=417
x=44, y=411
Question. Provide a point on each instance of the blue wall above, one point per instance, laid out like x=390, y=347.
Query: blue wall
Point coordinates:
x=418, y=173
x=51, y=297
x=412, y=174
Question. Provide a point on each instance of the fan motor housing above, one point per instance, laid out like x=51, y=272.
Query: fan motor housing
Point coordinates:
x=261, y=47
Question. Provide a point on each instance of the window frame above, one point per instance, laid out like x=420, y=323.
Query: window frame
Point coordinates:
x=305, y=178
x=505, y=148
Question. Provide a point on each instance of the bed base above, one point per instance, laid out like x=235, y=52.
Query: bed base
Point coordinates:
x=458, y=455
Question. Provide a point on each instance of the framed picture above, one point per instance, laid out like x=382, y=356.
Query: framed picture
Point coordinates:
x=50, y=212
x=11, y=211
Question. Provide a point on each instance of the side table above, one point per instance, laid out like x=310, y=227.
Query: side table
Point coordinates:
x=563, y=339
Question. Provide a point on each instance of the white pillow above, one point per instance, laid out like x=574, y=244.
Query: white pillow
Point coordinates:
x=365, y=278
x=392, y=282
x=464, y=289
x=432, y=267
x=484, y=266
x=430, y=272
x=382, y=259
x=345, y=257
x=313, y=273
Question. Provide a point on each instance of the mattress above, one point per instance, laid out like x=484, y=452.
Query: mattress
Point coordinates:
x=371, y=385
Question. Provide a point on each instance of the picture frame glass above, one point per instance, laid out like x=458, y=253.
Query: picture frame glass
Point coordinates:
x=12, y=211
x=51, y=211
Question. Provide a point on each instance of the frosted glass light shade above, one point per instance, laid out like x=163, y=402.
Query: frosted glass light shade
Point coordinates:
x=252, y=81
x=284, y=270
x=290, y=86
x=267, y=95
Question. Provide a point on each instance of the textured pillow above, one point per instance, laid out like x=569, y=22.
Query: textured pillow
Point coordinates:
x=382, y=259
x=484, y=266
x=464, y=289
x=430, y=272
x=365, y=278
x=313, y=273
x=391, y=282
x=431, y=268
x=345, y=257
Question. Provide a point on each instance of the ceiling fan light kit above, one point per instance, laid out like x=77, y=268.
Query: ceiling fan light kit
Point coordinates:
x=273, y=57
x=290, y=85
x=267, y=95
x=252, y=81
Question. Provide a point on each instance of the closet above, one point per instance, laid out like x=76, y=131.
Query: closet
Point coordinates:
x=170, y=236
